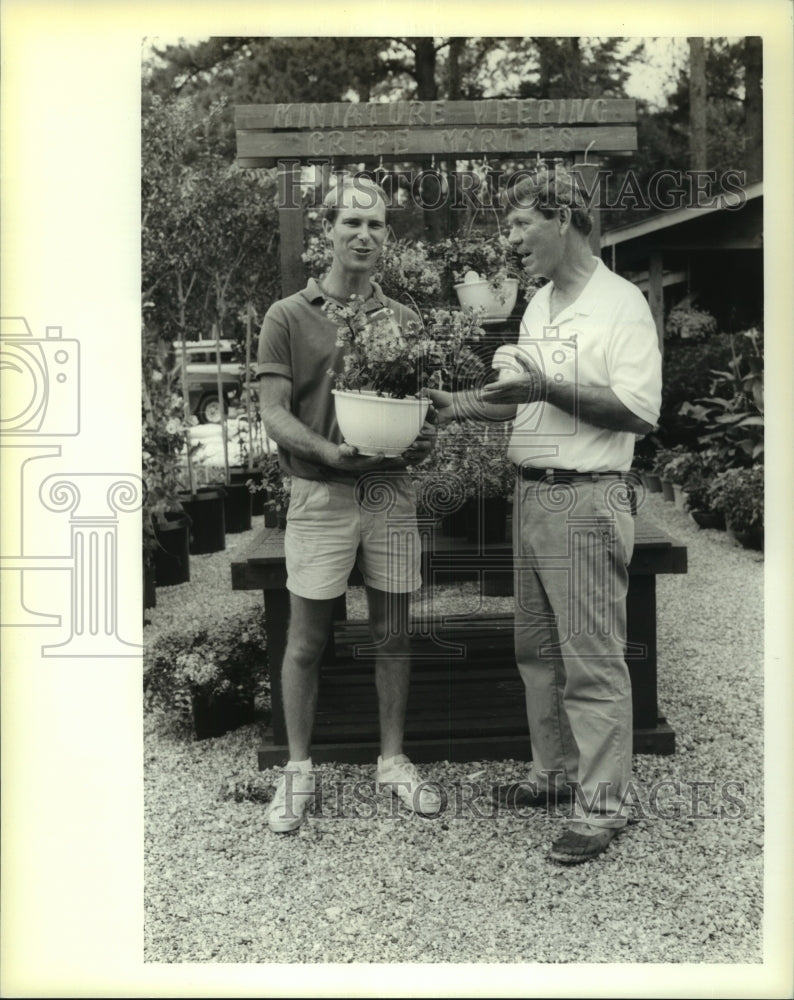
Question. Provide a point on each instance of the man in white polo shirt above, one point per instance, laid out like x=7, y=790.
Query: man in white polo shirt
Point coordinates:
x=586, y=381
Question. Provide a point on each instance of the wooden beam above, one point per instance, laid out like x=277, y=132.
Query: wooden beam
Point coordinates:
x=656, y=294
x=290, y=220
x=470, y=141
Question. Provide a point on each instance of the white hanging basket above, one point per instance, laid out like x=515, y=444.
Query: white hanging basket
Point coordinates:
x=497, y=304
x=378, y=424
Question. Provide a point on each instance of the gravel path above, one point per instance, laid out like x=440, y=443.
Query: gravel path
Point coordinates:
x=361, y=882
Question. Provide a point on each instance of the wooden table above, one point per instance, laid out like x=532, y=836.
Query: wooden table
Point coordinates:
x=467, y=699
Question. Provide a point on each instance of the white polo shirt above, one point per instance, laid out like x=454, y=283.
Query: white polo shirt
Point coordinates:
x=606, y=338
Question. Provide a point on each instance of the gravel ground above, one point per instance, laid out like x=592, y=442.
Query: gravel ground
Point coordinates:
x=363, y=882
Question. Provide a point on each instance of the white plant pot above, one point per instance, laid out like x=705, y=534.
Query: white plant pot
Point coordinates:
x=377, y=424
x=497, y=304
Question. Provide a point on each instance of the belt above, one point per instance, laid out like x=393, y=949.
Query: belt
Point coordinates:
x=552, y=476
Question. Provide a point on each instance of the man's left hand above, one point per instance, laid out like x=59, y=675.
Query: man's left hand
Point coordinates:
x=528, y=387
x=424, y=444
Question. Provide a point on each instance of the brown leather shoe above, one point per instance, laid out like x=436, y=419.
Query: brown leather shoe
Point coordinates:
x=529, y=794
x=575, y=846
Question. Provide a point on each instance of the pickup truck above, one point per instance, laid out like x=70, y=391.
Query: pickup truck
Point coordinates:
x=202, y=378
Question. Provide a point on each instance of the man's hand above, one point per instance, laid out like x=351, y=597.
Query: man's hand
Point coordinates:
x=527, y=387
x=424, y=444
x=348, y=459
x=442, y=405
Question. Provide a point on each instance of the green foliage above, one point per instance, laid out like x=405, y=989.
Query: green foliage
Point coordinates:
x=405, y=270
x=731, y=418
x=275, y=483
x=688, y=323
x=468, y=460
x=687, y=466
x=739, y=494
x=380, y=355
x=209, y=243
x=164, y=434
x=208, y=659
x=686, y=377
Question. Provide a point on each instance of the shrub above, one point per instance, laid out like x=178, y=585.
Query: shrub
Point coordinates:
x=224, y=659
x=739, y=494
x=687, y=466
x=731, y=417
x=686, y=376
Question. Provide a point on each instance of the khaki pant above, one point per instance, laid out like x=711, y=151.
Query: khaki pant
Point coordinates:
x=572, y=544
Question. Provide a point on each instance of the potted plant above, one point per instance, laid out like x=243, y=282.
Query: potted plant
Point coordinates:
x=662, y=458
x=685, y=322
x=205, y=675
x=700, y=504
x=683, y=467
x=739, y=493
x=442, y=492
x=731, y=417
x=383, y=366
x=165, y=421
x=274, y=487
x=478, y=268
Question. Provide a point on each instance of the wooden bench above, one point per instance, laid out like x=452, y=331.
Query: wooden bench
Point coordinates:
x=466, y=700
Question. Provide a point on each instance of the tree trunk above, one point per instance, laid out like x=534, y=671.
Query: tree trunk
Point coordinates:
x=697, y=104
x=427, y=90
x=425, y=62
x=753, y=110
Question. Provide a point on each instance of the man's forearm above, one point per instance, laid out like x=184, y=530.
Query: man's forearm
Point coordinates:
x=467, y=406
x=598, y=406
x=295, y=437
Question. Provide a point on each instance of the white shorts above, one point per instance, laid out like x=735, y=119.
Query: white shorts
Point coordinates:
x=331, y=525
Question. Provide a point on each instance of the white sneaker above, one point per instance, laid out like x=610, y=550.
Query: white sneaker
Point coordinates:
x=293, y=796
x=401, y=778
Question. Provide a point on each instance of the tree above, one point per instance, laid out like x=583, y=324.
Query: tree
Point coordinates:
x=753, y=109
x=697, y=104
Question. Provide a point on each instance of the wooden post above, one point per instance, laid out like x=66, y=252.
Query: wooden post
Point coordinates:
x=290, y=219
x=656, y=294
x=590, y=185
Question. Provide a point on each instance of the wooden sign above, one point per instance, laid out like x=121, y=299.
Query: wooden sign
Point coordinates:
x=298, y=134
x=421, y=129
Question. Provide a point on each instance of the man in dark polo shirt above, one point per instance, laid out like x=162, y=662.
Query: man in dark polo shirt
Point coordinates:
x=330, y=524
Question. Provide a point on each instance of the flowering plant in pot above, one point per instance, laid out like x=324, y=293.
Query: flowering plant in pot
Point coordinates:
x=382, y=366
x=739, y=493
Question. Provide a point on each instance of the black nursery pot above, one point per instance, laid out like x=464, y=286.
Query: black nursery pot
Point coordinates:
x=239, y=476
x=205, y=510
x=171, y=557
x=149, y=586
x=237, y=508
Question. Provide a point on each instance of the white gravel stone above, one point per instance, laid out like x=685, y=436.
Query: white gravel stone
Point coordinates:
x=388, y=886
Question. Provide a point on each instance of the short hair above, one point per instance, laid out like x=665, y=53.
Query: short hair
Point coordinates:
x=366, y=190
x=548, y=191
